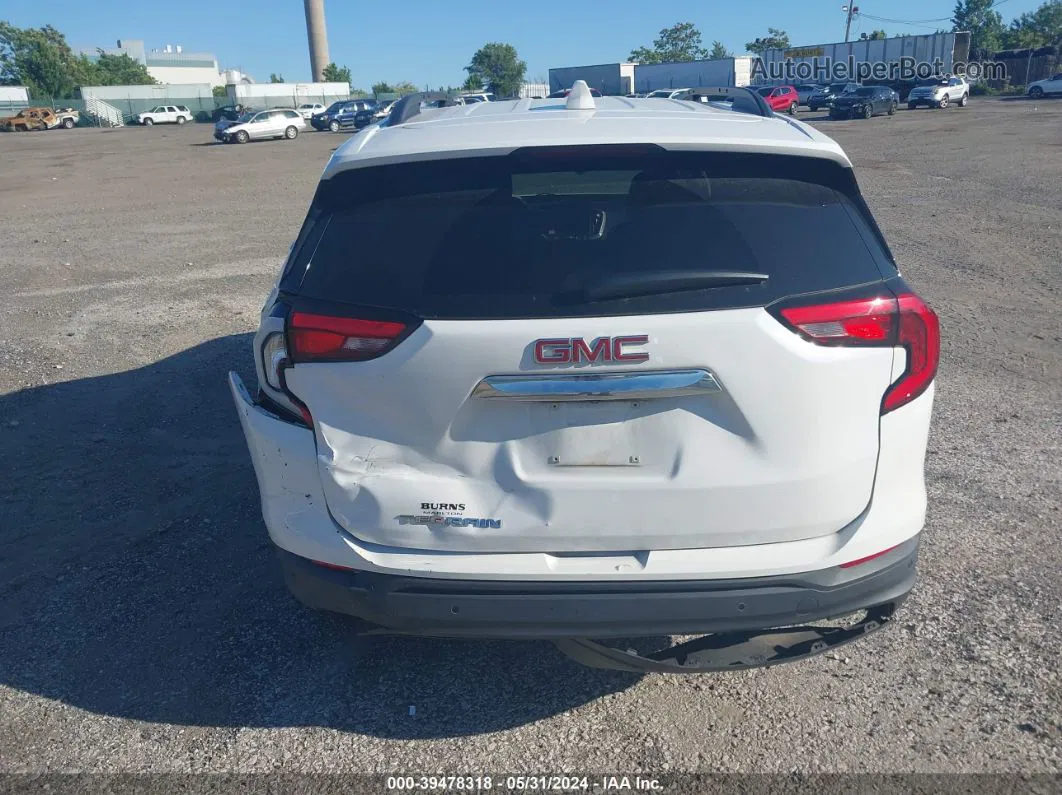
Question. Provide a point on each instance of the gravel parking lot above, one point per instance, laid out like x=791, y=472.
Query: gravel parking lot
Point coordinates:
x=143, y=622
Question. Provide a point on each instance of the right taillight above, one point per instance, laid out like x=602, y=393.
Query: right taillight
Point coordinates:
x=918, y=331
x=903, y=320
x=325, y=338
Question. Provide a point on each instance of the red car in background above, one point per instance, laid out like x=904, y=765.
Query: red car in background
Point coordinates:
x=782, y=99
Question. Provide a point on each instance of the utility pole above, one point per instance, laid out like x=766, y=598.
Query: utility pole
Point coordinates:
x=852, y=10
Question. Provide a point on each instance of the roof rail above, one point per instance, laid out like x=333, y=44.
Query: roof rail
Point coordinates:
x=745, y=100
x=410, y=105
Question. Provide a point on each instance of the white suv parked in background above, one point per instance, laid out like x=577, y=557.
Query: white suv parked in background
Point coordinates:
x=165, y=114
x=541, y=418
x=1052, y=85
x=939, y=92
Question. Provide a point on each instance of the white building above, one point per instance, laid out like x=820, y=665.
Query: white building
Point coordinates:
x=286, y=94
x=14, y=96
x=170, y=64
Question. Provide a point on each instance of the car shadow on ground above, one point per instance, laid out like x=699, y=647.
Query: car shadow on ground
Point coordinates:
x=137, y=580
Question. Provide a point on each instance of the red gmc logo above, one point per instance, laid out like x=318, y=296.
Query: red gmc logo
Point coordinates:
x=575, y=350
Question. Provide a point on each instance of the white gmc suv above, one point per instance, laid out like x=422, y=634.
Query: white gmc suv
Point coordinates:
x=539, y=417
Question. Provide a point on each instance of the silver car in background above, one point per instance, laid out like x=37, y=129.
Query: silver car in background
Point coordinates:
x=255, y=126
x=939, y=92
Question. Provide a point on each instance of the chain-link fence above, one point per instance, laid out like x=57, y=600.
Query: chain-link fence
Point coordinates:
x=202, y=106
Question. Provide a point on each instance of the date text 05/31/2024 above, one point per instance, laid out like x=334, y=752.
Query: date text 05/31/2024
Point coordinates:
x=539, y=783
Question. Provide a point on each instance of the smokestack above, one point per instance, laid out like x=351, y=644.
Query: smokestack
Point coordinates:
x=317, y=37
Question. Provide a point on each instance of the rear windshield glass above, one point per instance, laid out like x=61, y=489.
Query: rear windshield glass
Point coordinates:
x=530, y=236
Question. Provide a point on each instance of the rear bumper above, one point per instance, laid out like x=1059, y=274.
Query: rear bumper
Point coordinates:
x=536, y=609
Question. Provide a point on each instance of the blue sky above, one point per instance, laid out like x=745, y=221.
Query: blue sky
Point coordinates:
x=428, y=41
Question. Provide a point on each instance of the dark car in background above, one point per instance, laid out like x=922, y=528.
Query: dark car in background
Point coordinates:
x=383, y=109
x=341, y=114
x=864, y=102
x=229, y=112
x=364, y=117
x=806, y=90
x=826, y=97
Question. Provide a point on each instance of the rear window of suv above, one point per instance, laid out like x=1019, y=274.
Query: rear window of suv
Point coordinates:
x=528, y=235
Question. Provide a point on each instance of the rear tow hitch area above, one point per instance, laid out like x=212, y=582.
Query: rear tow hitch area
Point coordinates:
x=728, y=651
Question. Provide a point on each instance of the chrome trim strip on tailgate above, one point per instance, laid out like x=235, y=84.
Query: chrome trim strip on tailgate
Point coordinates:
x=599, y=386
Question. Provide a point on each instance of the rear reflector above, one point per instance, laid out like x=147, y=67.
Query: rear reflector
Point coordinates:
x=334, y=566
x=904, y=321
x=868, y=558
x=315, y=338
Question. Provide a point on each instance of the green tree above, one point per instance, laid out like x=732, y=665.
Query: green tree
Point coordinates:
x=680, y=42
x=472, y=83
x=873, y=35
x=41, y=59
x=774, y=40
x=38, y=58
x=336, y=74
x=985, y=24
x=220, y=91
x=719, y=52
x=120, y=70
x=1037, y=28
x=405, y=87
x=382, y=88
x=275, y=78
x=499, y=68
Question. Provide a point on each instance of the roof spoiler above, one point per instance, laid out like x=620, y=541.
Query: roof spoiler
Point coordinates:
x=409, y=106
x=745, y=100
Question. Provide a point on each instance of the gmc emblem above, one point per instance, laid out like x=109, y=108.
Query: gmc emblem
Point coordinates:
x=576, y=350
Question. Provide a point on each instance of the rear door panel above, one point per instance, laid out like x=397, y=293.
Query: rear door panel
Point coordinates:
x=492, y=254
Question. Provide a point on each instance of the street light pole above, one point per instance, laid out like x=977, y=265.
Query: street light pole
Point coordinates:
x=851, y=9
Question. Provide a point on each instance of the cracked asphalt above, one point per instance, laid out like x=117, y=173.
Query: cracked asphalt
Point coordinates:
x=144, y=627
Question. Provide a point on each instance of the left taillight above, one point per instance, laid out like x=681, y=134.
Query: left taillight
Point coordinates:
x=274, y=357
x=325, y=338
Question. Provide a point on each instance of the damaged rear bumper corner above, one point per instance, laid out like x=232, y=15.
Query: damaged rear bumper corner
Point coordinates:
x=284, y=455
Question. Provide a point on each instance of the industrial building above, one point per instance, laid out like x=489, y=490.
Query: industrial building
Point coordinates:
x=691, y=74
x=865, y=57
x=171, y=64
x=611, y=79
x=620, y=79
x=941, y=50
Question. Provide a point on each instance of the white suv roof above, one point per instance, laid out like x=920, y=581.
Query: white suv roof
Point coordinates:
x=499, y=127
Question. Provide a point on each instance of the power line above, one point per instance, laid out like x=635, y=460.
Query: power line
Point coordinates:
x=919, y=22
